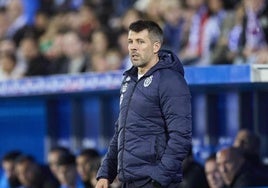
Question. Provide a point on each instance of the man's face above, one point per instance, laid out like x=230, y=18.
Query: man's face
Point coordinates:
x=213, y=175
x=83, y=167
x=241, y=141
x=26, y=173
x=67, y=174
x=140, y=48
x=53, y=158
x=8, y=167
x=227, y=166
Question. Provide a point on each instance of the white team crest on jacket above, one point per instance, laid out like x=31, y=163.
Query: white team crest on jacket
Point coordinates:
x=121, y=99
x=148, y=81
x=124, y=88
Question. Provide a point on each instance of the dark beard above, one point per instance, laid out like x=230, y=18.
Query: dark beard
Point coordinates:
x=13, y=182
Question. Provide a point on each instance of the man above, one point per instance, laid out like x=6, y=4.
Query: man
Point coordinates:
x=235, y=171
x=85, y=162
x=153, y=131
x=9, y=178
x=67, y=174
x=212, y=172
x=249, y=143
x=31, y=174
x=53, y=158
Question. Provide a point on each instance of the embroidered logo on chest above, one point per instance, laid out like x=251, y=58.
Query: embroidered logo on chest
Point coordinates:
x=125, y=85
x=148, y=81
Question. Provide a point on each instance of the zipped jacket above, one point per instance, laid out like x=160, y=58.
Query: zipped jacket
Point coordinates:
x=154, y=128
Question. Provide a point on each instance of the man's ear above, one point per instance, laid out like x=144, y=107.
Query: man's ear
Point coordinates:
x=156, y=47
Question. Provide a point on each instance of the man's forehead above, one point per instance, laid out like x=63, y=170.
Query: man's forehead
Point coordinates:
x=134, y=35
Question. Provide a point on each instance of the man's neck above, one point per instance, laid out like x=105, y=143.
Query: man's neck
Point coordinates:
x=143, y=70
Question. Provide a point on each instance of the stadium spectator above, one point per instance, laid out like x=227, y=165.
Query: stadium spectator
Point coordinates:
x=173, y=25
x=31, y=174
x=123, y=47
x=3, y=23
x=88, y=21
x=250, y=144
x=74, y=50
x=15, y=16
x=98, y=47
x=53, y=50
x=9, y=179
x=7, y=67
x=36, y=63
x=98, y=63
x=51, y=44
x=85, y=161
x=220, y=52
x=212, y=172
x=36, y=30
x=53, y=157
x=215, y=35
x=151, y=9
x=8, y=46
x=250, y=34
x=99, y=42
x=193, y=173
x=235, y=171
x=193, y=50
x=66, y=173
x=128, y=17
x=113, y=59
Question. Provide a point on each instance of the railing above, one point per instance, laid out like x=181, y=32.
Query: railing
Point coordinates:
x=80, y=110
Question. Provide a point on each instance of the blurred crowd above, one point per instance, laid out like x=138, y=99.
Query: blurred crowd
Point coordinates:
x=76, y=36
x=62, y=170
x=238, y=165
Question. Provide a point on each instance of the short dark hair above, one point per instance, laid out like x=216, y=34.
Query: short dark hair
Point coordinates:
x=11, y=155
x=66, y=159
x=25, y=158
x=212, y=156
x=60, y=149
x=91, y=153
x=155, y=31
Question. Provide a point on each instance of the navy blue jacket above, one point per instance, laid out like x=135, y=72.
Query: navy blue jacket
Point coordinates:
x=153, y=131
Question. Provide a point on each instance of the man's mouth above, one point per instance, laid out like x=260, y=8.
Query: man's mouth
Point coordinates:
x=134, y=55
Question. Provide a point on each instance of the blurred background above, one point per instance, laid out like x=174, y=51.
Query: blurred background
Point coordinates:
x=61, y=63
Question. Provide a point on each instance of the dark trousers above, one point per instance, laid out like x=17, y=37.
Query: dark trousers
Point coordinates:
x=148, y=184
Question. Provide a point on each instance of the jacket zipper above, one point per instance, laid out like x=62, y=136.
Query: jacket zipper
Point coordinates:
x=124, y=127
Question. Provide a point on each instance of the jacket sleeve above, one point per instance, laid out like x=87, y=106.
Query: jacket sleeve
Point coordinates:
x=175, y=102
x=108, y=168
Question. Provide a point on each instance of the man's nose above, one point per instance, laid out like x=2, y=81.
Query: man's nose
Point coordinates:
x=132, y=46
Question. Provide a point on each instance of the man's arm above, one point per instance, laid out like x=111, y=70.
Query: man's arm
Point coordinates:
x=108, y=168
